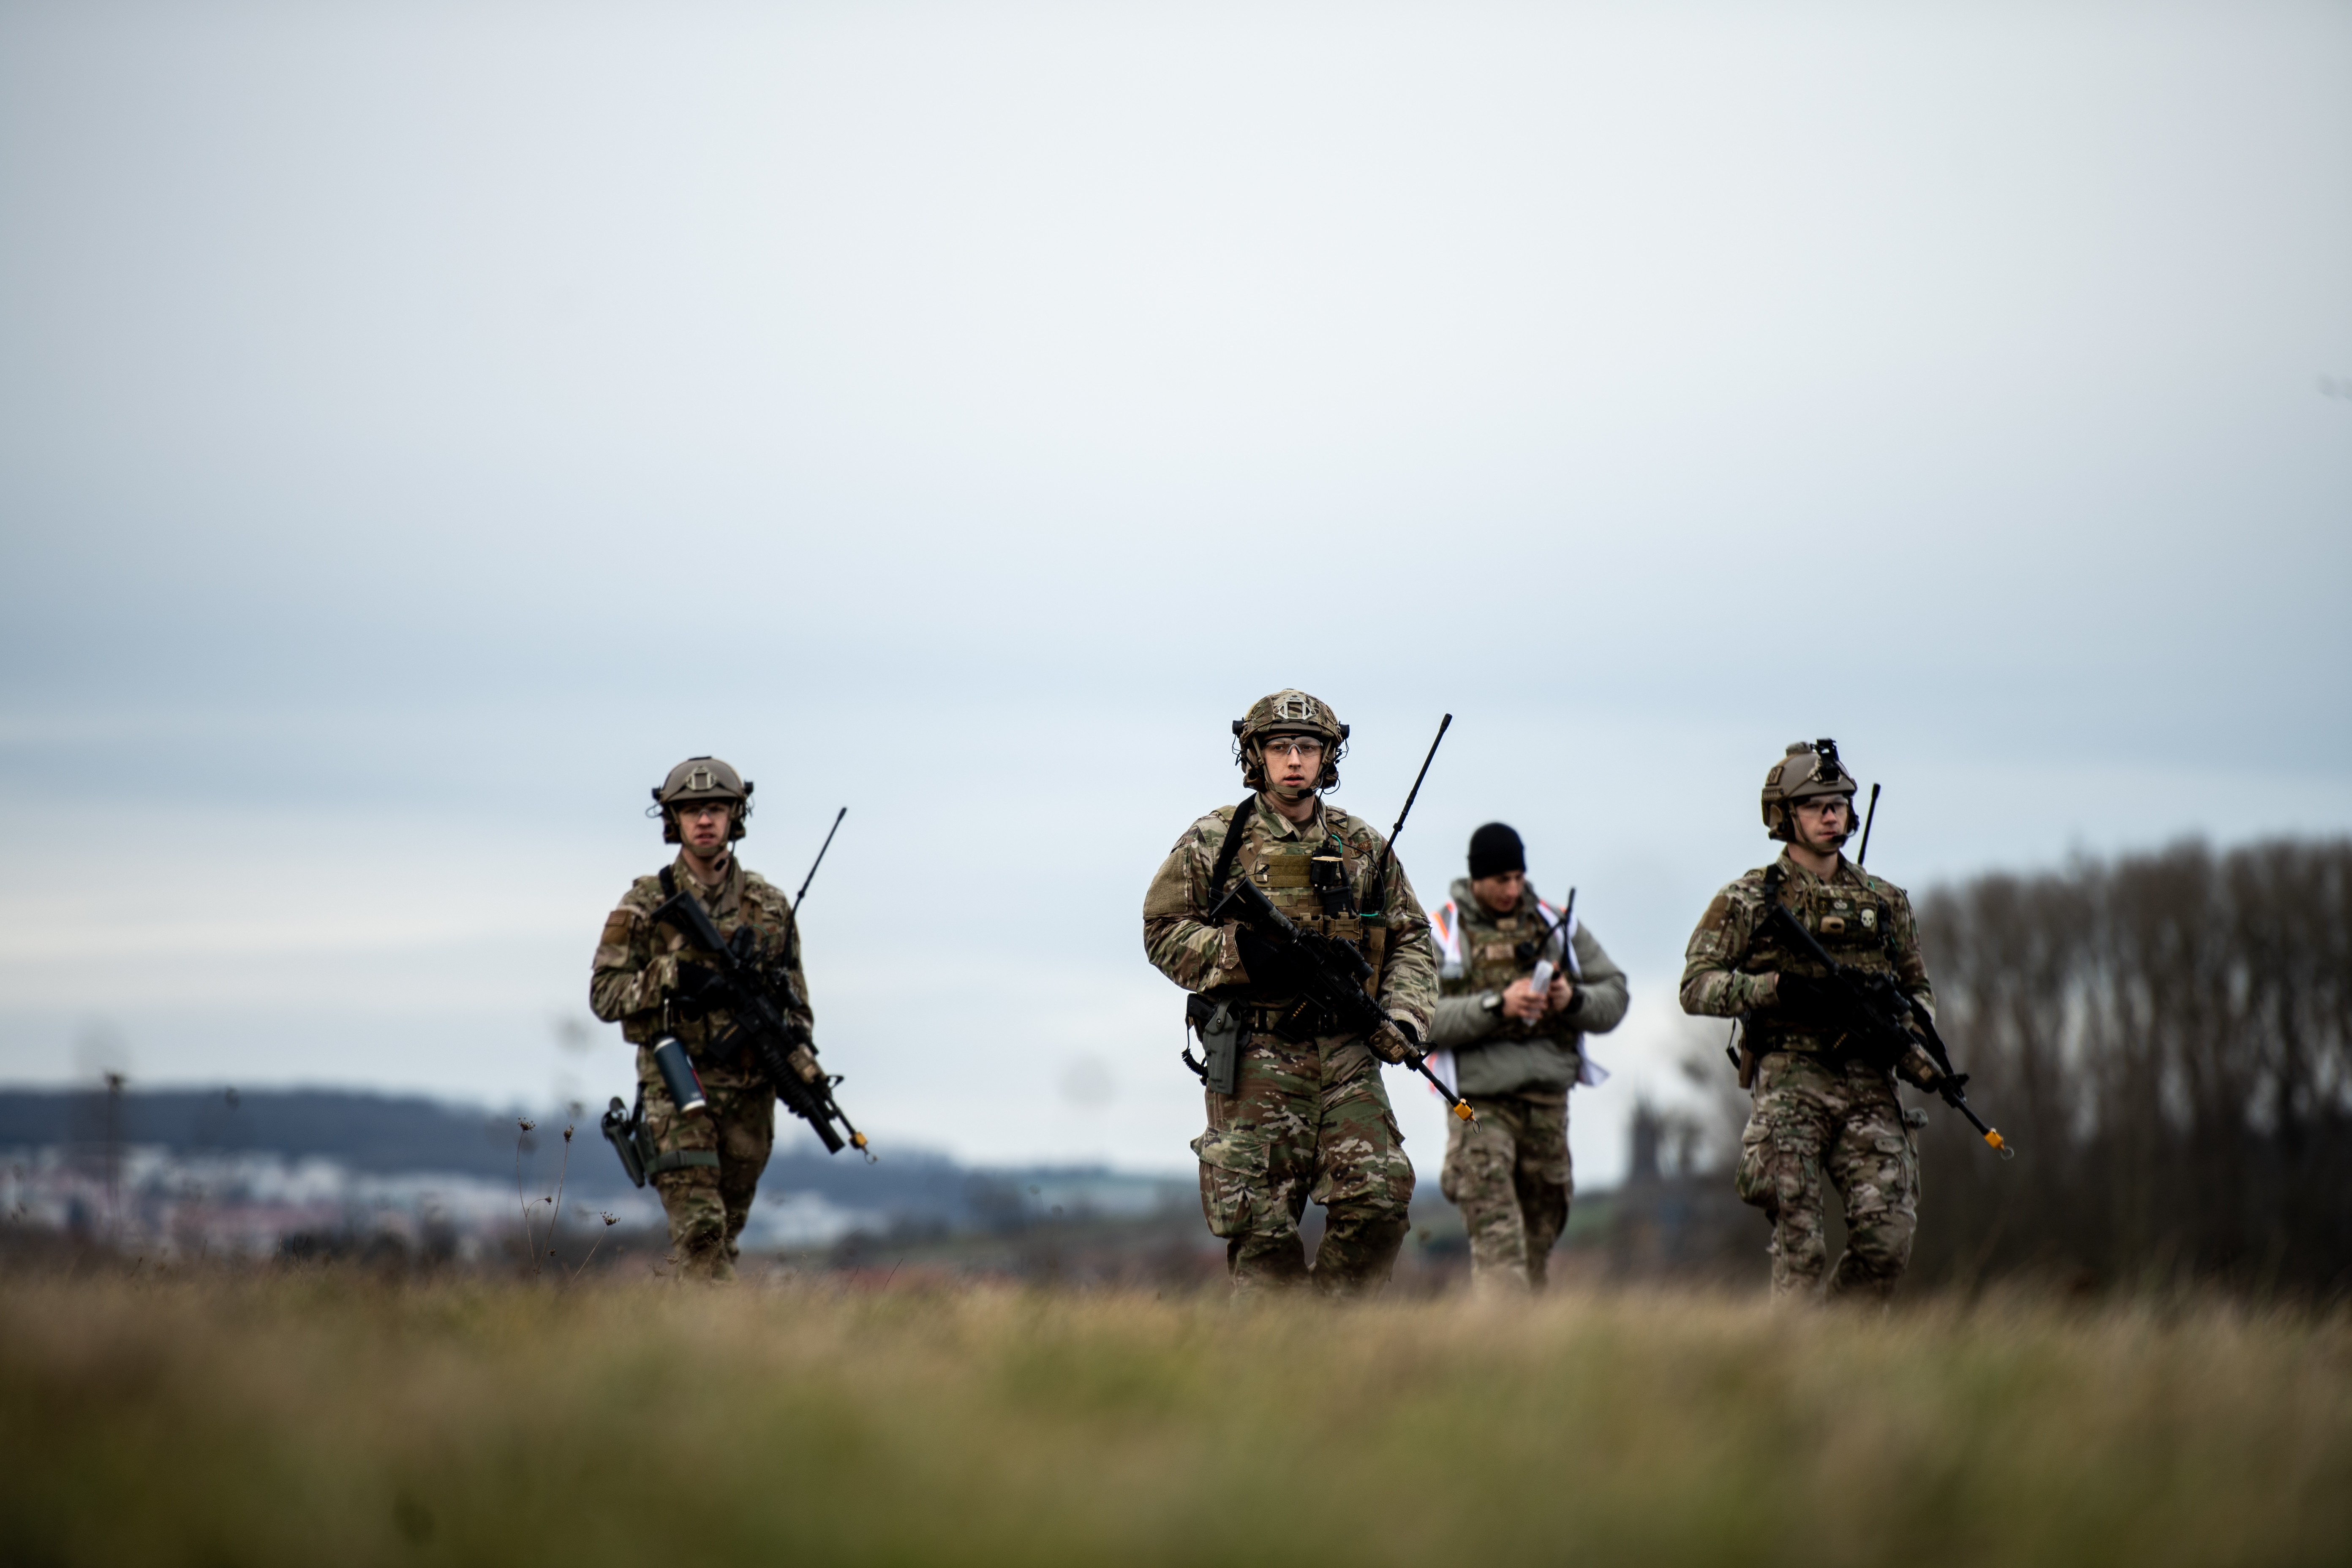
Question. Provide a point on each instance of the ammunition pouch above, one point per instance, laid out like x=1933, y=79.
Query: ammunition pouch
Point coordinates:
x=1833, y=1047
x=1761, y=1040
x=1348, y=927
x=1296, y=1020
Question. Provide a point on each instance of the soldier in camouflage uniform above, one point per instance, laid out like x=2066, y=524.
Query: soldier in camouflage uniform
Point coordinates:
x=1308, y=1117
x=1517, y=1054
x=1820, y=1111
x=706, y=1167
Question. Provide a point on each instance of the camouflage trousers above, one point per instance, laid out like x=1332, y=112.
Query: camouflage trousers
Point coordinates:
x=1305, y=1124
x=1508, y=1173
x=707, y=1206
x=1812, y=1120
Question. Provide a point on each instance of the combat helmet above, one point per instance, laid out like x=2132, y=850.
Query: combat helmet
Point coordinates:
x=697, y=779
x=1810, y=769
x=1288, y=712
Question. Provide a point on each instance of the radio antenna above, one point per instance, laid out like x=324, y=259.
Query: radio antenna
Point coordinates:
x=829, y=831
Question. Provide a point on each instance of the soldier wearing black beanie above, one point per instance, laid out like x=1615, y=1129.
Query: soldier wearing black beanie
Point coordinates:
x=1518, y=1046
x=1495, y=849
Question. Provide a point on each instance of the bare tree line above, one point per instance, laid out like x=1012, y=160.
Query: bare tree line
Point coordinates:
x=2167, y=1038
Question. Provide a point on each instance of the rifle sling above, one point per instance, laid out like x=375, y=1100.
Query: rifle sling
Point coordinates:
x=1231, y=847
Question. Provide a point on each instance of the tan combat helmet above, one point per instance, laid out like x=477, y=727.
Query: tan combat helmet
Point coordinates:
x=1810, y=769
x=702, y=778
x=1289, y=712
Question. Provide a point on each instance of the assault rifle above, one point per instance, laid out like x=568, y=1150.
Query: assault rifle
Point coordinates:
x=1332, y=975
x=1884, y=1018
x=765, y=1007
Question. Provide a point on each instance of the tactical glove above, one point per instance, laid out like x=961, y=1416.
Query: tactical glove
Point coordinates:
x=694, y=988
x=1917, y=1068
x=1399, y=1044
x=1802, y=996
x=1270, y=968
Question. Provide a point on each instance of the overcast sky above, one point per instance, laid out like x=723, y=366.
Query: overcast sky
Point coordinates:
x=422, y=425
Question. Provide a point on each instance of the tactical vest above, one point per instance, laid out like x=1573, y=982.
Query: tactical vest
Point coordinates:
x=1320, y=886
x=1496, y=951
x=1298, y=878
x=728, y=907
x=1849, y=919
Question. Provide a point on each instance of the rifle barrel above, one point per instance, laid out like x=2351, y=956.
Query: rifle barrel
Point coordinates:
x=1453, y=1103
x=2000, y=1145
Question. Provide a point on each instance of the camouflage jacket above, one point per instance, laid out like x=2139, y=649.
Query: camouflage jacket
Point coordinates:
x=1494, y=1054
x=1274, y=854
x=1865, y=922
x=636, y=959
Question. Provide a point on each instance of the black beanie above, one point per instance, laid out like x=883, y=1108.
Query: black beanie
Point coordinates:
x=1495, y=849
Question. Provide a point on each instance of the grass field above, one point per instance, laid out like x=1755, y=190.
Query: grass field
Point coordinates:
x=330, y=1416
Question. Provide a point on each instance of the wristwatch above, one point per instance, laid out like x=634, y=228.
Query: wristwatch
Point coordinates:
x=1491, y=1003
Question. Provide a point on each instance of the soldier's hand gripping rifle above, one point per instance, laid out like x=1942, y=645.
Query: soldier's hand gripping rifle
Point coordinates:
x=765, y=1007
x=1331, y=975
x=1885, y=1018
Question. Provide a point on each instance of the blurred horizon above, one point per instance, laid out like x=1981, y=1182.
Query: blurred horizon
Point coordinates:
x=424, y=425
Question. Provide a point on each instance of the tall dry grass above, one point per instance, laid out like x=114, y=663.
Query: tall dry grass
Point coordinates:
x=327, y=1416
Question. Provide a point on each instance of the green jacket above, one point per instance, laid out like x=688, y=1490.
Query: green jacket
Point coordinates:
x=1480, y=953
